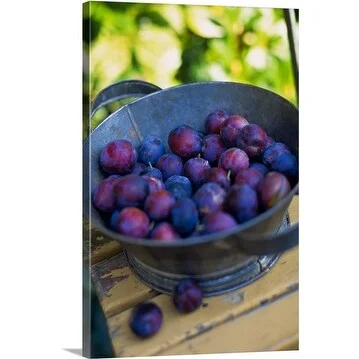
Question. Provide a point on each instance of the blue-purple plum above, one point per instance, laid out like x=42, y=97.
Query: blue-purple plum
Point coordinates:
x=187, y=296
x=131, y=191
x=118, y=157
x=230, y=128
x=184, y=216
x=146, y=319
x=273, y=151
x=242, y=202
x=250, y=176
x=179, y=186
x=218, y=222
x=212, y=148
x=195, y=170
x=158, y=205
x=154, y=184
x=103, y=196
x=170, y=165
x=252, y=139
x=234, y=160
x=218, y=175
x=150, y=150
x=184, y=141
x=131, y=221
x=214, y=120
x=260, y=167
x=165, y=232
x=209, y=198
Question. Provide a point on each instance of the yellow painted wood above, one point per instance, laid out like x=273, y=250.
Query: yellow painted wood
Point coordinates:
x=270, y=327
x=117, y=287
x=282, y=278
x=294, y=210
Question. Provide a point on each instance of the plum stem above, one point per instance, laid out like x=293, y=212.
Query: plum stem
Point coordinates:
x=150, y=164
x=199, y=155
x=152, y=224
x=229, y=175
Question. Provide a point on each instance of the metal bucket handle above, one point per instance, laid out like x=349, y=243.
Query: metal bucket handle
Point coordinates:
x=249, y=244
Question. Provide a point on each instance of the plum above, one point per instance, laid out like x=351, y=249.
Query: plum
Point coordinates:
x=230, y=129
x=252, y=139
x=195, y=170
x=260, y=167
x=250, y=176
x=170, y=165
x=218, y=175
x=273, y=187
x=165, y=232
x=187, y=296
x=103, y=196
x=273, y=151
x=131, y=191
x=138, y=168
x=153, y=172
x=269, y=142
x=131, y=221
x=118, y=157
x=146, y=319
x=218, y=222
x=209, y=198
x=214, y=120
x=184, y=216
x=234, y=160
x=154, y=184
x=179, y=186
x=158, y=205
x=241, y=202
x=150, y=150
x=184, y=141
x=287, y=164
x=212, y=148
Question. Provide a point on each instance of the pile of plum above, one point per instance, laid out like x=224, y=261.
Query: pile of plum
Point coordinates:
x=210, y=182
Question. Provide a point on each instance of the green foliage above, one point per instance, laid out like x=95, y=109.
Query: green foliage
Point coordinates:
x=172, y=44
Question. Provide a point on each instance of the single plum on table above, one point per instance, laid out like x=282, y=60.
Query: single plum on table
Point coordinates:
x=118, y=157
x=218, y=222
x=184, y=216
x=250, y=176
x=234, y=160
x=158, y=205
x=214, y=120
x=103, y=195
x=146, y=319
x=287, y=164
x=179, y=186
x=150, y=150
x=209, y=198
x=260, y=167
x=154, y=184
x=271, y=152
x=153, y=172
x=187, y=296
x=195, y=170
x=184, y=141
x=218, y=175
x=230, y=129
x=131, y=191
x=131, y=221
x=170, y=165
x=273, y=187
x=212, y=148
x=253, y=140
x=242, y=202
x=138, y=168
x=165, y=232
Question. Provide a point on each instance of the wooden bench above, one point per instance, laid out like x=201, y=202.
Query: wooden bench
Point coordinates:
x=259, y=317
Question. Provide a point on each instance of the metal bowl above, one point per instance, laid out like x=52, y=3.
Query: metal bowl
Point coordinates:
x=217, y=259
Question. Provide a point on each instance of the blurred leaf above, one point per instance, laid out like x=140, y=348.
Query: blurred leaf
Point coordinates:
x=199, y=21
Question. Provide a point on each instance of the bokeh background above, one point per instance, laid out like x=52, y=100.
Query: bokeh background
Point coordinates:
x=173, y=44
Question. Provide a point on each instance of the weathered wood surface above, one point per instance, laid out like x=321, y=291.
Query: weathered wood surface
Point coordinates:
x=263, y=303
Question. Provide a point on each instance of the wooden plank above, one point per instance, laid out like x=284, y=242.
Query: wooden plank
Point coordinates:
x=97, y=247
x=260, y=330
x=282, y=278
x=294, y=210
x=118, y=289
